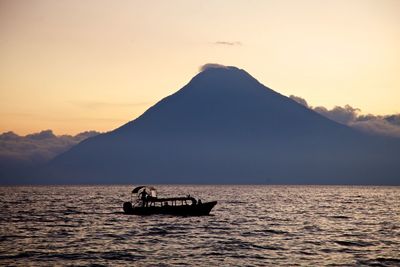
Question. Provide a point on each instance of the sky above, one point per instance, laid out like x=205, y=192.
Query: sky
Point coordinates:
x=73, y=66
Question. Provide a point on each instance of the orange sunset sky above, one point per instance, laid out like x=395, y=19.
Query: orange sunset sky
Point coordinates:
x=76, y=65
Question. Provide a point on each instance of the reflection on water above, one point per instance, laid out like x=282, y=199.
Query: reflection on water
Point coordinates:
x=251, y=225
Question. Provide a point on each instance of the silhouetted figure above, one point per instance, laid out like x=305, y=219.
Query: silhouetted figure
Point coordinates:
x=143, y=196
x=199, y=202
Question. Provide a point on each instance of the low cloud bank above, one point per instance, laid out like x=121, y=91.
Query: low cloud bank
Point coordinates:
x=386, y=125
x=37, y=148
x=40, y=147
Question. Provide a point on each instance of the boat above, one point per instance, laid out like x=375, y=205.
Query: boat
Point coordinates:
x=147, y=203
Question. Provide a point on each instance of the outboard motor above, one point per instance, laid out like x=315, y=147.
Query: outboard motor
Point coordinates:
x=128, y=207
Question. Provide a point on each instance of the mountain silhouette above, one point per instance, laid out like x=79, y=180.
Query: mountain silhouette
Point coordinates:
x=226, y=127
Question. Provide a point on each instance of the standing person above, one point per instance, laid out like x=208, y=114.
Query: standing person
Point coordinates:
x=143, y=197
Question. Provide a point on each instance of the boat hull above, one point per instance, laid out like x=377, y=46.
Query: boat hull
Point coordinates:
x=181, y=210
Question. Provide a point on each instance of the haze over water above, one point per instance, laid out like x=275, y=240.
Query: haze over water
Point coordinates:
x=251, y=225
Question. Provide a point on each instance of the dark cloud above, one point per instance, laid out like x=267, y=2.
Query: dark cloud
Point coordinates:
x=393, y=119
x=37, y=147
x=228, y=43
x=386, y=125
x=299, y=100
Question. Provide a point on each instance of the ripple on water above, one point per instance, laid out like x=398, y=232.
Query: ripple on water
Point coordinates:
x=354, y=243
x=250, y=226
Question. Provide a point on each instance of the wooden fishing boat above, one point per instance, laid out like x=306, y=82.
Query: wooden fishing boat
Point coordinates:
x=147, y=203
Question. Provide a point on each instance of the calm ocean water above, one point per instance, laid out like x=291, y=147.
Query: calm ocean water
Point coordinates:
x=250, y=226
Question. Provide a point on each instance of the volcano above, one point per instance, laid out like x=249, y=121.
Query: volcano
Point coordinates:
x=225, y=127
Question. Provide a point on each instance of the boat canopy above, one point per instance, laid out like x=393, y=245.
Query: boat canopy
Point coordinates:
x=136, y=189
x=149, y=189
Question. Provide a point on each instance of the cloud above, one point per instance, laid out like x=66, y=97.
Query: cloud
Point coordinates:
x=46, y=134
x=344, y=115
x=377, y=126
x=299, y=100
x=386, y=125
x=228, y=43
x=212, y=66
x=37, y=147
x=393, y=119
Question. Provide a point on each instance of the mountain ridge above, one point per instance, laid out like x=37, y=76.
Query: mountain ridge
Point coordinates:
x=224, y=126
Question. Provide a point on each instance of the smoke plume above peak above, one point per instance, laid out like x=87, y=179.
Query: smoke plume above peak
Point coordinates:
x=212, y=66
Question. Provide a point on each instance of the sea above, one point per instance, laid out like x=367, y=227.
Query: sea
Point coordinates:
x=252, y=225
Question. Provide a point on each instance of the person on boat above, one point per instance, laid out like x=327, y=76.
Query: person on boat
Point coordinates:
x=199, y=201
x=143, y=196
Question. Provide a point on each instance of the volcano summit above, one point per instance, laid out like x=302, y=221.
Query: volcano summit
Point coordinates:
x=226, y=127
